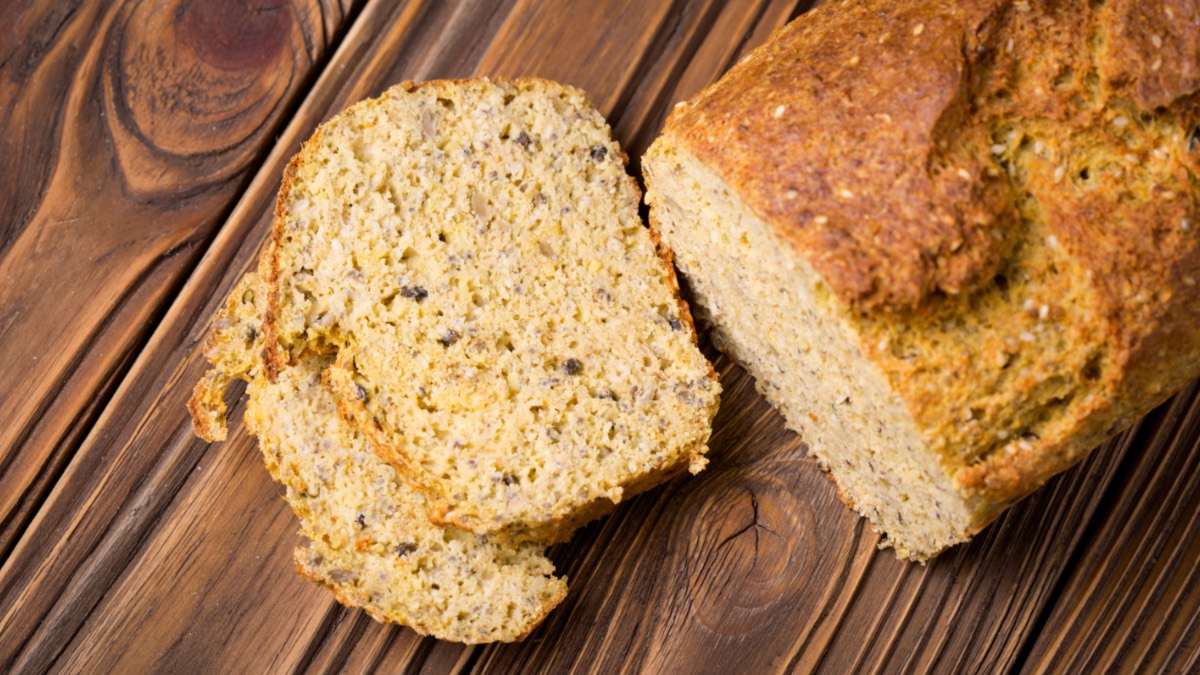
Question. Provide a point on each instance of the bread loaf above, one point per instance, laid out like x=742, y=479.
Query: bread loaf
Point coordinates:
x=499, y=321
x=369, y=540
x=954, y=242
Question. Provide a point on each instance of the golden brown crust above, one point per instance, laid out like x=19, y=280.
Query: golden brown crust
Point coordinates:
x=341, y=384
x=207, y=406
x=831, y=134
x=1133, y=242
x=1152, y=50
x=827, y=127
x=273, y=356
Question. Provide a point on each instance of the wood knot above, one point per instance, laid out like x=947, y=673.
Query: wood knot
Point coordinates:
x=189, y=86
x=751, y=547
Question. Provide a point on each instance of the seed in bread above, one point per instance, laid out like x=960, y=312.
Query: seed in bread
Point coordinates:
x=502, y=324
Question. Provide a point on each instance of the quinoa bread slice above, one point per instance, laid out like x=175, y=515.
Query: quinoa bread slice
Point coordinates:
x=501, y=325
x=369, y=540
x=954, y=242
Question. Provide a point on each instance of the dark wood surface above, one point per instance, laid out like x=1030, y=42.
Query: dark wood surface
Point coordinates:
x=143, y=143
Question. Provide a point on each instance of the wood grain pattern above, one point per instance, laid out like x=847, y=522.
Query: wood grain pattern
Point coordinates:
x=1134, y=587
x=98, y=278
x=130, y=546
x=133, y=127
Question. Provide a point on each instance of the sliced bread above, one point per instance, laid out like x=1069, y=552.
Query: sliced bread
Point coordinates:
x=501, y=324
x=369, y=539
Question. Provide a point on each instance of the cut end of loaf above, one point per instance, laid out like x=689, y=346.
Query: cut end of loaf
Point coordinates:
x=776, y=318
x=1003, y=246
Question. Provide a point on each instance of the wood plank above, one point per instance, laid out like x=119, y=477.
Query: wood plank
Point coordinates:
x=130, y=128
x=1131, y=601
x=972, y=609
x=78, y=542
x=156, y=552
x=178, y=624
x=602, y=60
x=129, y=601
x=370, y=647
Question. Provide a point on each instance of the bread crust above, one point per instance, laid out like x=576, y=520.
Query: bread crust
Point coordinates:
x=273, y=358
x=857, y=93
x=780, y=123
x=1132, y=65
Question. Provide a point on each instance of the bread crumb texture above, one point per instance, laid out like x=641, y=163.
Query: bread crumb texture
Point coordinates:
x=975, y=228
x=370, y=541
x=469, y=257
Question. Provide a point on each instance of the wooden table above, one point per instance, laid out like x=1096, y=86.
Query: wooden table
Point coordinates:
x=142, y=145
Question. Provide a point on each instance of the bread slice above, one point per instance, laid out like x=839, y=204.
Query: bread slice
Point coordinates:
x=502, y=325
x=953, y=242
x=369, y=540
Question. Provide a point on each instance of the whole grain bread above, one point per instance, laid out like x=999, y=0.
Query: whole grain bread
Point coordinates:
x=500, y=323
x=954, y=242
x=368, y=538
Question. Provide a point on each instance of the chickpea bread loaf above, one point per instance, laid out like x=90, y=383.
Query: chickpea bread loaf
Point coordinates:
x=501, y=324
x=954, y=242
